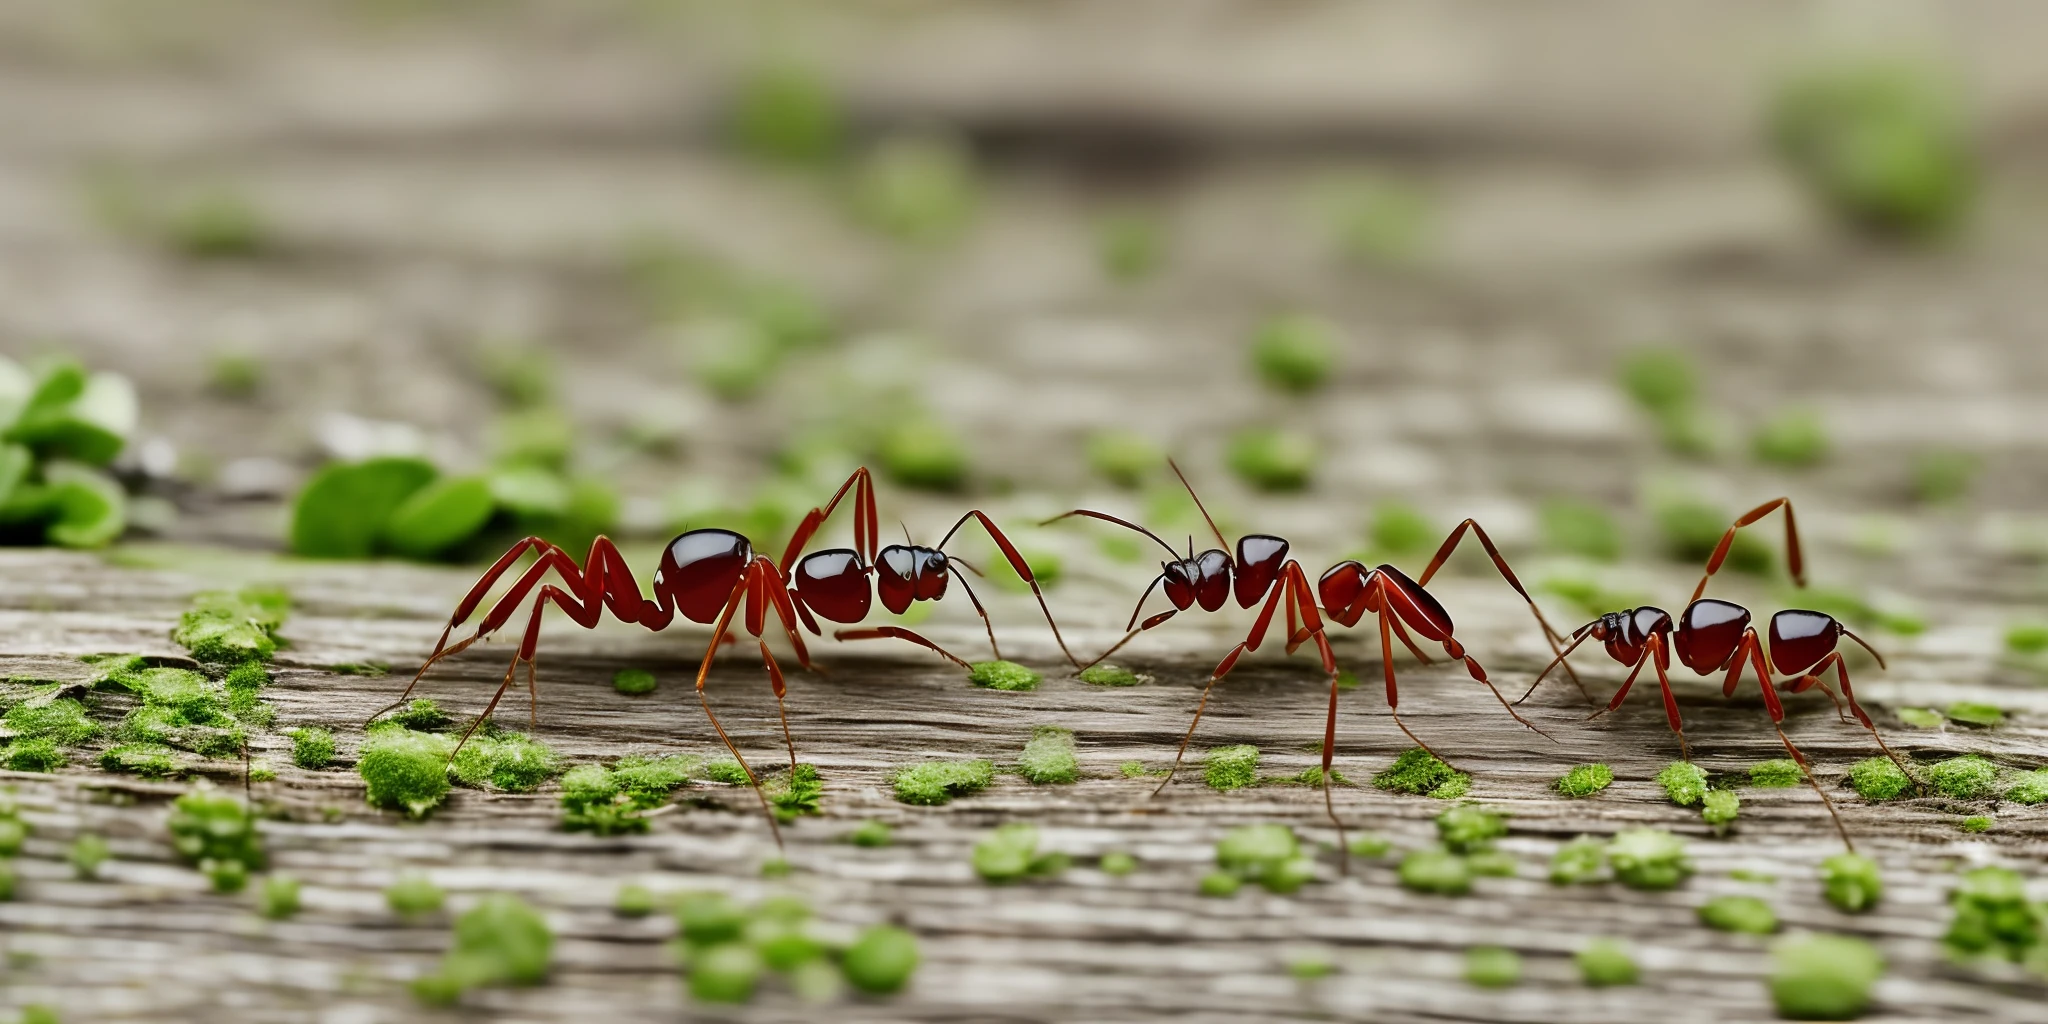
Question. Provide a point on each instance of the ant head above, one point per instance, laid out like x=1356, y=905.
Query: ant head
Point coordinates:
x=833, y=583
x=1259, y=558
x=1198, y=579
x=700, y=569
x=906, y=572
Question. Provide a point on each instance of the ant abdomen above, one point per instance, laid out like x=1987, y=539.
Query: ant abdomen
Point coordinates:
x=700, y=568
x=834, y=584
x=1709, y=631
x=1801, y=638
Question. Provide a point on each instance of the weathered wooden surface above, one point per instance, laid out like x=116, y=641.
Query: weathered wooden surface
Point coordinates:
x=436, y=178
x=151, y=943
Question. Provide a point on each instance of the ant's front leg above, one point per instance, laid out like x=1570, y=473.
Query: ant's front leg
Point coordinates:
x=899, y=633
x=1250, y=643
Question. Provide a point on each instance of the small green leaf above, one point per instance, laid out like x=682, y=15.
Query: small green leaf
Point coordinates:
x=91, y=509
x=438, y=516
x=71, y=415
x=343, y=511
x=530, y=491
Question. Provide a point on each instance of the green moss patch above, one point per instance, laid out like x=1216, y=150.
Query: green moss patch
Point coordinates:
x=1776, y=774
x=1010, y=853
x=1585, y=780
x=62, y=721
x=414, y=894
x=228, y=628
x=1269, y=855
x=1685, y=782
x=1003, y=675
x=1977, y=823
x=1739, y=914
x=1438, y=872
x=186, y=710
x=1878, y=778
x=1111, y=675
x=1983, y=716
x=1228, y=768
x=215, y=833
x=1048, y=758
x=1644, y=858
x=634, y=681
x=2029, y=787
x=728, y=771
x=32, y=755
x=1579, y=862
x=1468, y=828
x=1294, y=353
x=504, y=760
x=405, y=770
x=1851, y=882
x=1604, y=963
x=1920, y=718
x=1492, y=966
x=872, y=834
x=1272, y=459
x=312, y=747
x=1964, y=778
x=610, y=801
x=145, y=759
x=795, y=793
x=1993, y=918
x=935, y=782
x=500, y=941
x=1823, y=977
x=1416, y=771
x=1720, y=808
x=421, y=715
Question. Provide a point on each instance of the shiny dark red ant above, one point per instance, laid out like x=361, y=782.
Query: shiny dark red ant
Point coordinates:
x=707, y=575
x=1262, y=570
x=1712, y=635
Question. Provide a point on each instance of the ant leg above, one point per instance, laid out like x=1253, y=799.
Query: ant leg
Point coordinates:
x=1393, y=692
x=1576, y=641
x=776, y=681
x=1815, y=783
x=983, y=612
x=1402, y=632
x=776, y=589
x=866, y=526
x=1794, y=561
x=1848, y=692
x=468, y=605
x=1128, y=637
x=1658, y=656
x=899, y=633
x=1622, y=694
x=1021, y=567
x=1250, y=643
x=1451, y=544
x=1303, y=595
x=732, y=604
x=1478, y=672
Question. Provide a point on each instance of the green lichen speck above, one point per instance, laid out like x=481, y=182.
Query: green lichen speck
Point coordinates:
x=1111, y=675
x=1685, y=781
x=1745, y=914
x=1578, y=862
x=1467, y=828
x=633, y=681
x=1228, y=768
x=1417, y=771
x=935, y=782
x=1965, y=778
x=1003, y=675
x=1585, y=780
x=1851, y=882
x=1647, y=858
x=1977, y=823
x=1048, y=757
x=1776, y=774
x=1720, y=808
x=1437, y=872
x=1878, y=778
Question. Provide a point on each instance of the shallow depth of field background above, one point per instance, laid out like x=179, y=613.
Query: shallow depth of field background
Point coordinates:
x=1601, y=275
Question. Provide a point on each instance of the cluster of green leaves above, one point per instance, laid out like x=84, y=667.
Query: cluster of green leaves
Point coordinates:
x=217, y=834
x=1995, y=920
x=1881, y=143
x=1010, y=853
x=405, y=507
x=500, y=941
x=936, y=782
x=609, y=801
x=1273, y=458
x=1267, y=855
x=725, y=948
x=59, y=428
x=1419, y=772
x=1234, y=767
x=1638, y=858
x=1048, y=757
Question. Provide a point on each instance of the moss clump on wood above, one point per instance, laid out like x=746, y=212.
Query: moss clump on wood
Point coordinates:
x=1492, y=966
x=212, y=831
x=1048, y=758
x=421, y=715
x=508, y=761
x=1878, y=778
x=1968, y=777
x=404, y=770
x=1267, y=854
x=935, y=782
x=1011, y=853
x=279, y=897
x=1604, y=963
x=1228, y=768
x=1585, y=780
x=87, y=855
x=794, y=793
x=1436, y=871
x=1578, y=862
x=872, y=834
x=1720, y=808
x=62, y=721
x=1111, y=675
x=1272, y=459
x=413, y=895
x=1467, y=828
x=1313, y=776
x=1920, y=718
x=634, y=681
x=728, y=771
x=145, y=759
x=1417, y=771
x=1977, y=823
x=611, y=801
x=2029, y=787
x=312, y=747
x=881, y=960
x=1823, y=977
x=1294, y=353
x=1776, y=774
x=1851, y=882
x=233, y=627
x=1685, y=782
x=1003, y=675
x=1993, y=918
x=500, y=941
x=32, y=755
x=1984, y=716
x=1647, y=858
x=1220, y=885
x=1739, y=914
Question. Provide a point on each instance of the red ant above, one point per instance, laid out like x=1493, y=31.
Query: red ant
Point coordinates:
x=1262, y=570
x=708, y=574
x=1713, y=635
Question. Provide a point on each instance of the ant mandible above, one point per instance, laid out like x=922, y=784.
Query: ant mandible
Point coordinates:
x=706, y=575
x=1263, y=570
x=1712, y=635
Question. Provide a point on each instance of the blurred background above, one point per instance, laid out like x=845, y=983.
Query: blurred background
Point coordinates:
x=1587, y=271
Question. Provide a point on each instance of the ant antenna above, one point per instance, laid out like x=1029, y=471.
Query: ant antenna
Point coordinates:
x=1198, y=504
x=1126, y=524
x=906, y=533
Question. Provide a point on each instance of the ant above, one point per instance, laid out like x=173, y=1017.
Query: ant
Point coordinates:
x=1263, y=570
x=1712, y=635
x=706, y=575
